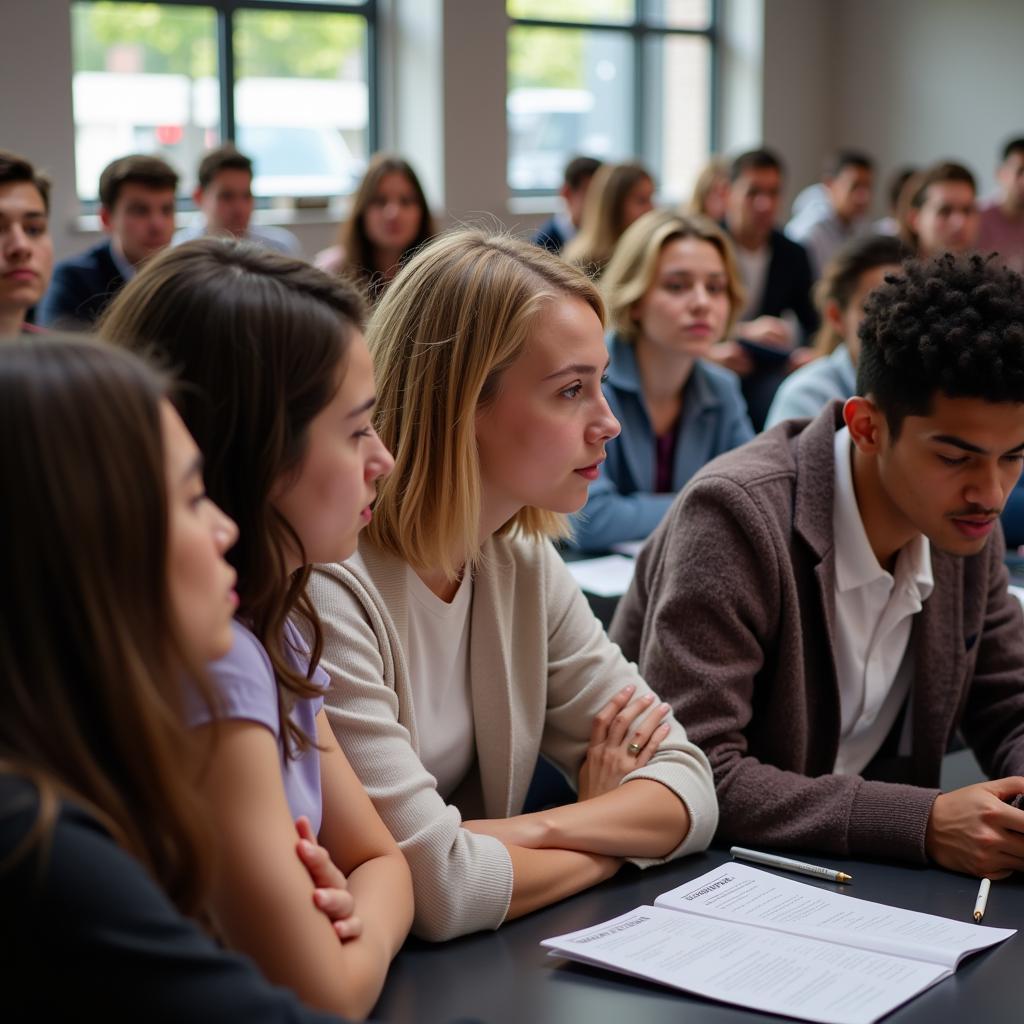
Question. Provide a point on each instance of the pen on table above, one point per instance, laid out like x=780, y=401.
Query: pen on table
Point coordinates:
x=982, y=901
x=787, y=864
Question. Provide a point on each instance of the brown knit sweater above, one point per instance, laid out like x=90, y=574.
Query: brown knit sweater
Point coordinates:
x=730, y=618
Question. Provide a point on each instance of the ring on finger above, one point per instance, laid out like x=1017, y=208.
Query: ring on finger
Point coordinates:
x=635, y=748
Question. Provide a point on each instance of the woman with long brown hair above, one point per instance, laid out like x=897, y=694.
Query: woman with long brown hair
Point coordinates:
x=276, y=385
x=388, y=221
x=115, y=587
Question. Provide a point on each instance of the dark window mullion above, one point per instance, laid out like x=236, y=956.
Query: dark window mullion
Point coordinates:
x=226, y=72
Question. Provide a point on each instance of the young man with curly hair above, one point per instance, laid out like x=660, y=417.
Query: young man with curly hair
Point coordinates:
x=826, y=605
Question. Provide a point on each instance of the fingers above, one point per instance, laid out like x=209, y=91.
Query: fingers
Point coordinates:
x=625, y=720
x=304, y=828
x=1006, y=789
x=603, y=719
x=651, y=731
x=349, y=928
x=337, y=904
x=324, y=872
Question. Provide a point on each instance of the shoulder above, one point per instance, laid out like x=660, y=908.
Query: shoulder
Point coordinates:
x=280, y=239
x=331, y=259
x=786, y=249
x=90, y=261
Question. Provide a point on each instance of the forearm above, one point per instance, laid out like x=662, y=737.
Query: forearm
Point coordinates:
x=382, y=890
x=543, y=877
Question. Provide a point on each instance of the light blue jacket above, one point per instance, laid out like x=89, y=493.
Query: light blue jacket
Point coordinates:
x=803, y=394
x=622, y=504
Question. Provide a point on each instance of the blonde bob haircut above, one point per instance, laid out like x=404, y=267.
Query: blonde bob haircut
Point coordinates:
x=634, y=267
x=454, y=319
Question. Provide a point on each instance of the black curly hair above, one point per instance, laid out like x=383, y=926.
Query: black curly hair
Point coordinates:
x=952, y=325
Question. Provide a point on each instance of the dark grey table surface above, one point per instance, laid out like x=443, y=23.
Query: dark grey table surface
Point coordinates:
x=504, y=976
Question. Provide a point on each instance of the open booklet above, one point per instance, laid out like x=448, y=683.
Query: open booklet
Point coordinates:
x=754, y=939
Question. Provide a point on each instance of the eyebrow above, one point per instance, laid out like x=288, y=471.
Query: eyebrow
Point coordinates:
x=580, y=368
x=959, y=442
x=365, y=407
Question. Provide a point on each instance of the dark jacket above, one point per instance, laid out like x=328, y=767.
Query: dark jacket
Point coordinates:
x=730, y=619
x=81, y=289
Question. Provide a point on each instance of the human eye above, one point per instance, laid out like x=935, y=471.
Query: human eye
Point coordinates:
x=949, y=460
x=573, y=390
x=604, y=378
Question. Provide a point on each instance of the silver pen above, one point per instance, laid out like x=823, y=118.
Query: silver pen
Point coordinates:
x=788, y=864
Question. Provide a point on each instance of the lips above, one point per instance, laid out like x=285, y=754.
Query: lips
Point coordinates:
x=21, y=274
x=975, y=529
x=591, y=472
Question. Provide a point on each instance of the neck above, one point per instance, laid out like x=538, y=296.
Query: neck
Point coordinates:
x=385, y=261
x=1012, y=208
x=749, y=238
x=663, y=374
x=11, y=321
x=887, y=529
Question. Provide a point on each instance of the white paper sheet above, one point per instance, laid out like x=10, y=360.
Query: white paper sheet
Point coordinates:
x=608, y=576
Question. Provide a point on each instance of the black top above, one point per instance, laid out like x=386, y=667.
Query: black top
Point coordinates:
x=81, y=289
x=89, y=930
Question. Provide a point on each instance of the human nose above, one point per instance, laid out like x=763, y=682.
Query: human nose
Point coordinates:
x=225, y=530
x=380, y=463
x=699, y=296
x=604, y=426
x=16, y=241
x=985, y=489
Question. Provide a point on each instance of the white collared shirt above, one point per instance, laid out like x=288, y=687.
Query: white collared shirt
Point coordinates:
x=874, y=617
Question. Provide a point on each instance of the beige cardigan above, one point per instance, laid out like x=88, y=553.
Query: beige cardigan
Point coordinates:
x=541, y=667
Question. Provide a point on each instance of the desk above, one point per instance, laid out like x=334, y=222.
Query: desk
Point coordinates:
x=504, y=977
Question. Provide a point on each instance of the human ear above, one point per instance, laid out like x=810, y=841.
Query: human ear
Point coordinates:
x=834, y=316
x=865, y=422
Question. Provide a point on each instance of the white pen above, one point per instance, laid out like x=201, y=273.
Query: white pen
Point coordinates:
x=982, y=901
x=787, y=864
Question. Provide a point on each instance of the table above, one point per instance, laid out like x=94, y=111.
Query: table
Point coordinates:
x=504, y=976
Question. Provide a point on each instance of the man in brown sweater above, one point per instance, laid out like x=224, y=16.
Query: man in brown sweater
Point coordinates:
x=826, y=605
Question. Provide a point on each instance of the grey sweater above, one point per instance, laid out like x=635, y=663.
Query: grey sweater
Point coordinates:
x=730, y=618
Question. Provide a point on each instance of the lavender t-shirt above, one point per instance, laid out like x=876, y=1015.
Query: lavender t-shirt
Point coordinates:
x=244, y=679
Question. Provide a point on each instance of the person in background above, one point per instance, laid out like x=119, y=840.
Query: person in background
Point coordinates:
x=618, y=195
x=562, y=228
x=224, y=197
x=26, y=249
x=855, y=272
x=1001, y=220
x=137, y=196
x=823, y=228
x=672, y=292
x=276, y=385
x=711, y=191
x=388, y=221
x=106, y=852
x=829, y=603
x=777, y=280
x=890, y=223
x=459, y=643
x=941, y=212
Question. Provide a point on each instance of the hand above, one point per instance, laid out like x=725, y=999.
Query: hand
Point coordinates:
x=974, y=831
x=767, y=330
x=732, y=356
x=331, y=894
x=620, y=723
x=800, y=357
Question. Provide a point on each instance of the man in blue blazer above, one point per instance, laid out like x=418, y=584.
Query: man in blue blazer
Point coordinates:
x=137, y=195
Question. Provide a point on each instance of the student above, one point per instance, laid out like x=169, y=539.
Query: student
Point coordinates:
x=941, y=213
x=224, y=196
x=822, y=228
x=672, y=292
x=711, y=191
x=776, y=276
x=890, y=224
x=618, y=195
x=459, y=644
x=122, y=587
x=1001, y=220
x=276, y=386
x=859, y=268
x=137, y=212
x=26, y=249
x=388, y=221
x=830, y=604
x=556, y=232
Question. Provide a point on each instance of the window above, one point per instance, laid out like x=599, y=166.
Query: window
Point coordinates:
x=290, y=82
x=613, y=79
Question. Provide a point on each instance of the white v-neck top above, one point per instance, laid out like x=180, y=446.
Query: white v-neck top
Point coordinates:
x=874, y=616
x=438, y=659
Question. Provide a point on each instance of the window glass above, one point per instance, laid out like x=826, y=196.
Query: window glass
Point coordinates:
x=143, y=81
x=694, y=14
x=615, y=11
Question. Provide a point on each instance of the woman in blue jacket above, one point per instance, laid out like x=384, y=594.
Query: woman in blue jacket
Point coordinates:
x=672, y=291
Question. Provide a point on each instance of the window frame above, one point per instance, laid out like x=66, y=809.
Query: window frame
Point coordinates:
x=642, y=29
x=224, y=11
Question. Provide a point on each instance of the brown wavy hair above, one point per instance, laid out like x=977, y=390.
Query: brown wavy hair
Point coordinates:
x=257, y=342
x=91, y=700
x=360, y=264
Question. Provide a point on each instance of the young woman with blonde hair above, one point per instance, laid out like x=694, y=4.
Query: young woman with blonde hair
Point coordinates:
x=459, y=645
x=276, y=386
x=673, y=291
x=388, y=221
x=117, y=587
x=618, y=195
